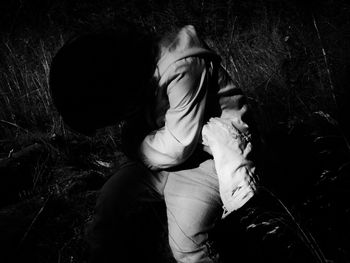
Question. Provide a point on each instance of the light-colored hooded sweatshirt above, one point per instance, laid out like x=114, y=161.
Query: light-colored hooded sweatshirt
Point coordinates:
x=191, y=87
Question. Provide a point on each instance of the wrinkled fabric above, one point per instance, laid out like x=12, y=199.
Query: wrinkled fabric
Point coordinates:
x=191, y=87
x=236, y=173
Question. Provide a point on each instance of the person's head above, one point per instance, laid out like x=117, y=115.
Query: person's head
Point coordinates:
x=98, y=79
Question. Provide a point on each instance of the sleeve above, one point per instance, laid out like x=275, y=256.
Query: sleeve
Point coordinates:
x=234, y=154
x=175, y=142
x=233, y=102
x=236, y=172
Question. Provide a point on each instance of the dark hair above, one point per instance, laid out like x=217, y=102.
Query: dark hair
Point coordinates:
x=95, y=77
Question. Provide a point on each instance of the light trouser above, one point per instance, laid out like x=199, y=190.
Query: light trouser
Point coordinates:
x=130, y=215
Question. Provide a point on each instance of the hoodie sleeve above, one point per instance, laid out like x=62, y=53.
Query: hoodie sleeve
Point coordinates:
x=186, y=82
x=232, y=101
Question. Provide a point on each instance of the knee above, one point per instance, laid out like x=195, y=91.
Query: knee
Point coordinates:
x=114, y=199
x=122, y=187
x=185, y=250
x=189, y=244
x=117, y=212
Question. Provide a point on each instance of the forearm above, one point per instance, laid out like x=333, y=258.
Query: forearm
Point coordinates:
x=237, y=179
x=172, y=144
x=231, y=150
x=161, y=150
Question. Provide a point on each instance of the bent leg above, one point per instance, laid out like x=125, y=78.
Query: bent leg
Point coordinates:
x=128, y=216
x=193, y=206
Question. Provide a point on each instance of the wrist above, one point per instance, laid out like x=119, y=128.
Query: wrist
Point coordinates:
x=238, y=188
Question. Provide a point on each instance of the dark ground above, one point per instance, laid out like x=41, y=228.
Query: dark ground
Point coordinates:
x=290, y=57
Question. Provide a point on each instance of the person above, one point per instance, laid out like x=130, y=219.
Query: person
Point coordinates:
x=185, y=128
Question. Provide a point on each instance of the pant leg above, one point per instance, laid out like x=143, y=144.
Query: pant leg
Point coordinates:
x=193, y=206
x=129, y=217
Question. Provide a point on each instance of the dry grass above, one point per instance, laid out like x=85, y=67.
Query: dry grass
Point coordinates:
x=275, y=57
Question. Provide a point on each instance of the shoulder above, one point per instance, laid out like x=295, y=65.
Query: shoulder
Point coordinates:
x=182, y=39
x=183, y=44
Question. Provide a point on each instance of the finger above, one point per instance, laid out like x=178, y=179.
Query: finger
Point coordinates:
x=206, y=133
x=218, y=122
x=227, y=125
x=247, y=150
x=204, y=139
